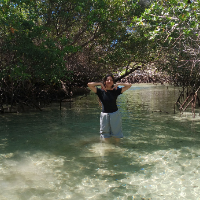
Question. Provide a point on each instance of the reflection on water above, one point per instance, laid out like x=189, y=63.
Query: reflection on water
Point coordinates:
x=52, y=155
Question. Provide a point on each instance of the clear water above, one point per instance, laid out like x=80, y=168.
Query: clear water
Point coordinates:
x=57, y=154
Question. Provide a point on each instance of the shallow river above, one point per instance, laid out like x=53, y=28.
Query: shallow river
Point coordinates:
x=57, y=154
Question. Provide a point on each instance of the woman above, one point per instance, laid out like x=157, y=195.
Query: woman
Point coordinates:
x=110, y=119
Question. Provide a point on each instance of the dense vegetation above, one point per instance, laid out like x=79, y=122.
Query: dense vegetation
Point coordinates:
x=50, y=47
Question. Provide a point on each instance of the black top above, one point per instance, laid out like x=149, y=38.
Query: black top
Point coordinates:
x=108, y=99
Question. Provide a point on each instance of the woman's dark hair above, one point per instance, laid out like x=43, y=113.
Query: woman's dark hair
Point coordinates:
x=105, y=78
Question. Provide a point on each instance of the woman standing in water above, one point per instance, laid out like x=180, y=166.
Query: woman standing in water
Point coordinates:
x=110, y=119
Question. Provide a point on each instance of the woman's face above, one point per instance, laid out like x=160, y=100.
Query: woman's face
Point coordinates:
x=109, y=81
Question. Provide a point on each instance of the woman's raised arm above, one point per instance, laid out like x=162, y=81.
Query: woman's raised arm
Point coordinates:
x=92, y=86
x=126, y=86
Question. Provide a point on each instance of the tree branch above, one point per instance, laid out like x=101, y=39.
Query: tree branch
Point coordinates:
x=127, y=73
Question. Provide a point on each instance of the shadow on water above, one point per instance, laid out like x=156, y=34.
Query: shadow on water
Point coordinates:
x=58, y=155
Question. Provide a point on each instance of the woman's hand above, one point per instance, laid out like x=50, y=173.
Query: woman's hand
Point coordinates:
x=115, y=86
x=103, y=87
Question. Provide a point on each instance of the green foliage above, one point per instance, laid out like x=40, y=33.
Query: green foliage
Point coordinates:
x=73, y=41
x=44, y=40
x=27, y=51
x=173, y=28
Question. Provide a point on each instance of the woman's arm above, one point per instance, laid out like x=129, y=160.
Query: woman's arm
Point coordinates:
x=126, y=86
x=92, y=86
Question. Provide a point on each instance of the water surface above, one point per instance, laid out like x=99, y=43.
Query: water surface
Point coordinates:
x=57, y=154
